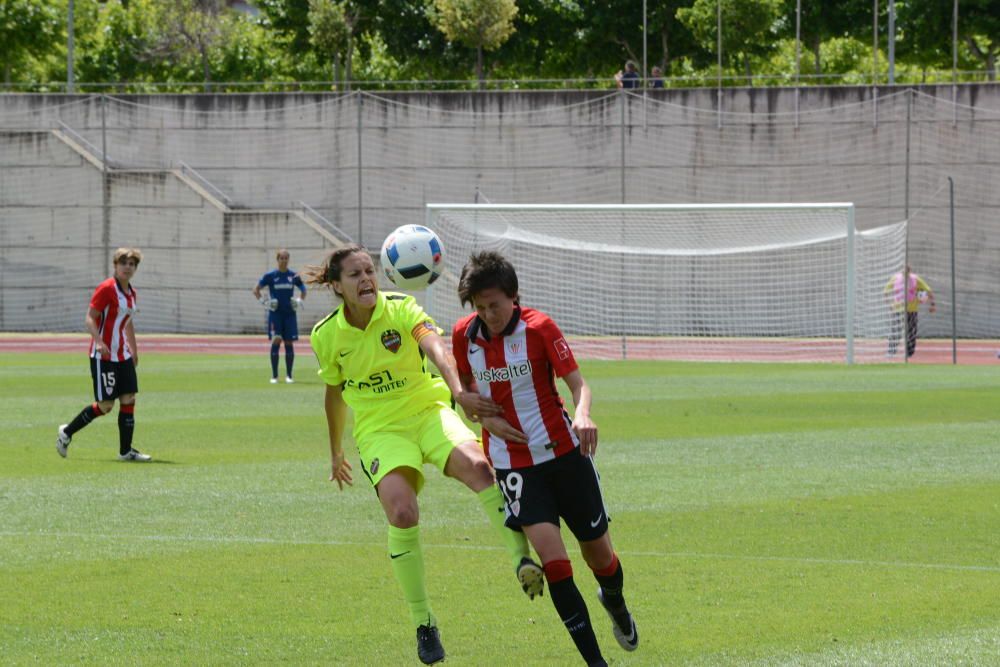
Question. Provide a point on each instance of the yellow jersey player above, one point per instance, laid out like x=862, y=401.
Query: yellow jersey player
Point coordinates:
x=372, y=353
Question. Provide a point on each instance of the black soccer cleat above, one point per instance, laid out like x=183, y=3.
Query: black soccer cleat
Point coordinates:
x=429, y=648
x=622, y=624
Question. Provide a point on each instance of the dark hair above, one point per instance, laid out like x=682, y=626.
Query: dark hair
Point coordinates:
x=486, y=270
x=329, y=270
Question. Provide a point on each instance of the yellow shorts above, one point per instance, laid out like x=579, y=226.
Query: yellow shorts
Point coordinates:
x=426, y=437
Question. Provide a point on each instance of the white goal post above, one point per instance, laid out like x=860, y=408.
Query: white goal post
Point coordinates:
x=778, y=281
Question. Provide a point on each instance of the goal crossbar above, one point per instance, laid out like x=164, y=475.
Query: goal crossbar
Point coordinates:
x=632, y=233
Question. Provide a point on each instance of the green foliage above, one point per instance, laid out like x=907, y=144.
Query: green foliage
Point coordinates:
x=137, y=43
x=927, y=32
x=483, y=25
x=749, y=28
x=289, y=21
x=28, y=28
x=328, y=29
x=119, y=46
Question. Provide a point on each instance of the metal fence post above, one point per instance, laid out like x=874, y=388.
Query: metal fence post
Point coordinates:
x=361, y=222
x=954, y=294
x=105, y=186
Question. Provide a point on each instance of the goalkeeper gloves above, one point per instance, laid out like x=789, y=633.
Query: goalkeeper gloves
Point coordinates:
x=269, y=303
x=298, y=304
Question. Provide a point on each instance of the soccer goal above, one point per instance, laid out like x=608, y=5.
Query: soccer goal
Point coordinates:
x=768, y=282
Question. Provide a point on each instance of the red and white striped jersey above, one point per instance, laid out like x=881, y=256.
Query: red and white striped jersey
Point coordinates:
x=518, y=370
x=116, y=308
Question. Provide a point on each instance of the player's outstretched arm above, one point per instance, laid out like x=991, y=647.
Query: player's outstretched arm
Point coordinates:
x=585, y=428
x=474, y=405
x=336, y=418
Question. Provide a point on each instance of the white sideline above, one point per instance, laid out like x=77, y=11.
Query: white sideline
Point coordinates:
x=220, y=539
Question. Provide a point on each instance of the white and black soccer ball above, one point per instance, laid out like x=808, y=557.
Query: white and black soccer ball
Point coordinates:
x=412, y=257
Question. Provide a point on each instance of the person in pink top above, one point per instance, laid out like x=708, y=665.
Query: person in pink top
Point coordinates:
x=543, y=459
x=917, y=292
x=114, y=356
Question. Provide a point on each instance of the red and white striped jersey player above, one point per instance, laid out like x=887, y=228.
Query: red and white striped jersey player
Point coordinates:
x=543, y=458
x=114, y=356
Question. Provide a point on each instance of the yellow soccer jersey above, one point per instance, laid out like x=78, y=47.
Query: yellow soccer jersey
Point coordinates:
x=381, y=368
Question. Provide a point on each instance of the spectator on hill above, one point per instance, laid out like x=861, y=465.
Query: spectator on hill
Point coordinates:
x=656, y=79
x=628, y=79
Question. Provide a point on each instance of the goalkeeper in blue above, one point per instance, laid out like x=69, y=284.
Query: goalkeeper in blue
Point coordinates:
x=281, y=304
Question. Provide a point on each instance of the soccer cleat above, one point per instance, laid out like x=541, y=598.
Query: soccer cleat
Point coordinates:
x=135, y=455
x=62, y=440
x=429, y=648
x=289, y=380
x=532, y=578
x=274, y=380
x=621, y=619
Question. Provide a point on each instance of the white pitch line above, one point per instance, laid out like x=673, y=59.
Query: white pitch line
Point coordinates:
x=220, y=539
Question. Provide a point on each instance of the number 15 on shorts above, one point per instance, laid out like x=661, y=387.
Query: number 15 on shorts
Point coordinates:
x=108, y=381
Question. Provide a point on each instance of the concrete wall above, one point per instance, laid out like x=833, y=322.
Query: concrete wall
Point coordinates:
x=200, y=261
x=369, y=163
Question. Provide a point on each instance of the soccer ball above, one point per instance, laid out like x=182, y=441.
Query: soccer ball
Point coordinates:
x=412, y=257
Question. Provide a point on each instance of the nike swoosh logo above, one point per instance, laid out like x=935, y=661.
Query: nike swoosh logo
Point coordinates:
x=593, y=524
x=344, y=354
x=395, y=556
x=473, y=350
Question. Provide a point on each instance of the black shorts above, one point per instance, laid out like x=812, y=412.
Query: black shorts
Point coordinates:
x=566, y=487
x=113, y=378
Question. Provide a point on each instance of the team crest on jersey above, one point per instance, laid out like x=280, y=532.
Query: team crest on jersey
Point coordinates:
x=515, y=507
x=391, y=340
x=374, y=466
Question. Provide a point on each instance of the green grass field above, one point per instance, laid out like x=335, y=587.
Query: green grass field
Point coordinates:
x=764, y=514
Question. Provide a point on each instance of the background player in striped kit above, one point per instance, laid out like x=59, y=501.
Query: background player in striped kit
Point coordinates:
x=543, y=462
x=113, y=356
x=281, y=303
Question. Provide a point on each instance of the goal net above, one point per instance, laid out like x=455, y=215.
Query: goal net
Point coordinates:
x=740, y=282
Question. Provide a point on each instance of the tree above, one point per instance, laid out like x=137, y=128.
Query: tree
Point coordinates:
x=749, y=28
x=829, y=19
x=27, y=27
x=483, y=25
x=192, y=29
x=331, y=28
x=116, y=46
x=927, y=27
x=290, y=20
x=979, y=27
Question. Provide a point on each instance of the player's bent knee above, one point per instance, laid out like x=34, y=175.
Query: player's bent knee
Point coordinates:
x=468, y=464
x=403, y=515
x=598, y=553
x=105, y=406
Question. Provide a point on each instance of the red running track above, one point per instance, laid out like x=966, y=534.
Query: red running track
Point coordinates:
x=929, y=351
